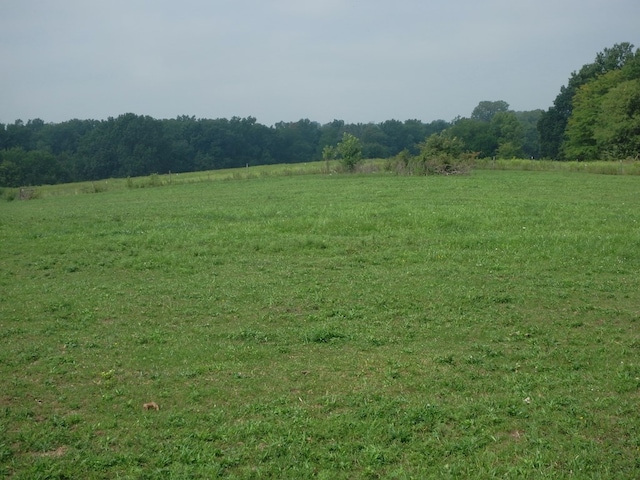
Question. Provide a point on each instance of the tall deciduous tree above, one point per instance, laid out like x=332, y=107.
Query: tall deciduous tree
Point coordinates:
x=477, y=136
x=580, y=143
x=617, y=129
x=530, y=136
x=486, y=110
x=508, y=133
x=605, y=116
x=554, y=121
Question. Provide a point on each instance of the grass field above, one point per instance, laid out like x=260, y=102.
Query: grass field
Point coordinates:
x=326, y=326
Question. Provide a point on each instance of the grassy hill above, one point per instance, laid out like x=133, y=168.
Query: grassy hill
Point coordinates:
x=329, y=326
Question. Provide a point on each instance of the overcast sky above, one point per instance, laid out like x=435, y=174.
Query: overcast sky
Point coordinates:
x=283, y=60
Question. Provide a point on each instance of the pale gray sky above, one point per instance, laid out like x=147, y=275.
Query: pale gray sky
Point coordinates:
x=355, y=60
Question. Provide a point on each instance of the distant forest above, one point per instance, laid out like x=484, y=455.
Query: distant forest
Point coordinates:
x=595, y=116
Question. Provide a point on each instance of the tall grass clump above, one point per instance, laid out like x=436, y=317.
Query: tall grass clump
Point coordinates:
x=624, y=167
x=9, y=194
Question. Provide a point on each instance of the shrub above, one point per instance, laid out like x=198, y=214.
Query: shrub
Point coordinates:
x=440, y=154
x=8, y=194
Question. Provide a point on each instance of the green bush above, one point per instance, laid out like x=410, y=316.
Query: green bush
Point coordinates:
x=440, y=154
x=349, y=151
x=8, y=194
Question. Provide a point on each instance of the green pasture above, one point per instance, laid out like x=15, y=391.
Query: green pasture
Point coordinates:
x=323, y=326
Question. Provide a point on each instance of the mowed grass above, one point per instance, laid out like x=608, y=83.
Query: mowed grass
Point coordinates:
x=349, y=326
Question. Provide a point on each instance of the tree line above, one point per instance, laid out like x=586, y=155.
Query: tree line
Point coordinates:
x=36, y=153
x=129, y=145
x=595, y=116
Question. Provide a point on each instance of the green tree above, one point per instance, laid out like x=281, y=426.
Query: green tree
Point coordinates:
x=10, y=174
x=349, y=151
x=330, y=133
x=617, y=130
x=554, y=121
x=508, y=132
x=486, y=110
x=605, y=114
x=396, y=135
x=530, y=135
x=374, y=141
x=297, y=141
x=580, y=143
x=477, y=136
x=19, y=167
x=17, y=135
